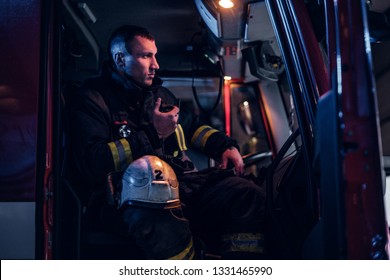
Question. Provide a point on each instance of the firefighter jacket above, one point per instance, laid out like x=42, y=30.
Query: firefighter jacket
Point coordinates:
x=110, y=126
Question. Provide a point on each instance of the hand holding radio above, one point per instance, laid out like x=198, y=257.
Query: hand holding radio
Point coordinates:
x=165, y=118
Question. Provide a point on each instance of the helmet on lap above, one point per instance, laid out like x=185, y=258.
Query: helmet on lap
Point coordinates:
x=150, y=182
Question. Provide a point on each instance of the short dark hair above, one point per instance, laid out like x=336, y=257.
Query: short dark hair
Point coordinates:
x=127, y=33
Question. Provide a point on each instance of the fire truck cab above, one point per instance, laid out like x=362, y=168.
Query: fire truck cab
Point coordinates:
x=301, y=85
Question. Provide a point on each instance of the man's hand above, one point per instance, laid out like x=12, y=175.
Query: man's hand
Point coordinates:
x=233, y=155
x=165, y=123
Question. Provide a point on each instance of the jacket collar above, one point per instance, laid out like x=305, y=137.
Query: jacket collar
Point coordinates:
x=126, y=83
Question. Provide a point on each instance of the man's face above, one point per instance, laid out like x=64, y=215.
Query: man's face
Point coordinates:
x=141, y=63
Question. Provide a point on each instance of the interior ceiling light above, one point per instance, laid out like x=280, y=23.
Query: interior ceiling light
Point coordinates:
x=226, y=4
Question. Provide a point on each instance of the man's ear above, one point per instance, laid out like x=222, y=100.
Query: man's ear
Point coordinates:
x=119, y=59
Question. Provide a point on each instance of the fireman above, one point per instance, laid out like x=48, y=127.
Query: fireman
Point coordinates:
x=125, y=114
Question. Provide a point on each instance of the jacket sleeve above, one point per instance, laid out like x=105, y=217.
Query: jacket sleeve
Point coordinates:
x=203, y=137
x=94, y=150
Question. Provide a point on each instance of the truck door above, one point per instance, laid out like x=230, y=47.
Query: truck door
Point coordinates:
x=26, y=83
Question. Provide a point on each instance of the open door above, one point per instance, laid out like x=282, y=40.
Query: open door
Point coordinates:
x=348, y=142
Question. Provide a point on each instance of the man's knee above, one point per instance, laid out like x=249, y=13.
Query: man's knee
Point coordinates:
x=159, y=233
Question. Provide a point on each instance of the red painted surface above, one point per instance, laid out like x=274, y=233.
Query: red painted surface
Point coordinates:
x=365, y=220
x=226, y=103
x=317, y=66
x=19, y=90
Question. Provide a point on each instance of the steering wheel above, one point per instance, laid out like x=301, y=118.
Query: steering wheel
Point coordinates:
x=255, y=158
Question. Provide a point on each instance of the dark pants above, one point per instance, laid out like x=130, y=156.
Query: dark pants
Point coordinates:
x=225, y=211
x=159, y=233
x=223, y=205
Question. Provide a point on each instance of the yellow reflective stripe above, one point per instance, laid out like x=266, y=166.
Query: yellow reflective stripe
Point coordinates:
x=115, y=155
x=187, y=254
x=121, y=154
x=183, y=138
x=197, y=132
x=206, y=137
x=201, y=136
x=128, y=153
x=180, y=138
x=243, y=242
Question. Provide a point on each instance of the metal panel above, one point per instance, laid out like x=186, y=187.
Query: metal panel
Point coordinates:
x=17, y=223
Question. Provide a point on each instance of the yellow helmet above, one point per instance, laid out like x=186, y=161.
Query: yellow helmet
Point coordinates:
x=150, y=182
